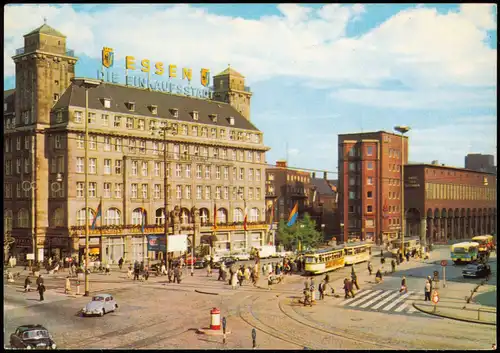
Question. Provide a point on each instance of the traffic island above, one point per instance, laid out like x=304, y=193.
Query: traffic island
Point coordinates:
x=478, y=315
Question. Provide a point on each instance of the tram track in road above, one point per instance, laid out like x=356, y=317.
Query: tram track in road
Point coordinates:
x=343, y=335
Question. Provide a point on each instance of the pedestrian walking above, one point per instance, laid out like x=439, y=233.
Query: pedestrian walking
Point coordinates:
x=27, y=284
x=163, y=269
x=370, y=268
x=39, y=280
x=354, y=278
x=378, y=276
x=321, y=289
x=41, y=290
x=253, y=277
x=67, y=288
x=108, y=269
x=247, y=274
x=428, y=289
x=177, y=274
x=312, y=288
x=209, y=271
x=241, y=276
x=401, y=259
x=403, y=288
x=146, y=272
x=429, y=279
x=221, y=271
x=120, y=263
x=393, y=266
x=234, y=280
x=307, y=297
x=269, y=268
x=136, y=271
x=407, y=256
x=264, y=267
x=170, y=275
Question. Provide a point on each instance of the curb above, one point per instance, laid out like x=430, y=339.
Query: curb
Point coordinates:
x=210, y=332
x=454, y=317
x=202, y=292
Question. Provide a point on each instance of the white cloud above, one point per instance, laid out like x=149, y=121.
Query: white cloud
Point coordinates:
x=450, y=143
x=418, y=46
x=419, y=99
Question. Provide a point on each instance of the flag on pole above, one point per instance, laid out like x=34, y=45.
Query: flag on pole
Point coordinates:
x=97, y=215
x=143, y=219
x=293, y=215
x=245, y=219
x=215, y=216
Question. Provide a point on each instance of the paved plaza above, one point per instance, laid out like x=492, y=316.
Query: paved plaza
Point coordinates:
x=157, y=314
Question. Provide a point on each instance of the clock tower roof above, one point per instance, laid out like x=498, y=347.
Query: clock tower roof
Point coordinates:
x=230, y=72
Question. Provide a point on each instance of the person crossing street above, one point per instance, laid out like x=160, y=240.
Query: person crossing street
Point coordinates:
x=404, y=287
x=354, y=278
x=370, y=268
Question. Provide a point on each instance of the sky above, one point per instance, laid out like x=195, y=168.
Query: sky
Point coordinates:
x=315, y=71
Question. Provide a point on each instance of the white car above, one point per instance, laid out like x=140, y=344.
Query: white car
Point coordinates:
x=241, y=256
x=100, y=305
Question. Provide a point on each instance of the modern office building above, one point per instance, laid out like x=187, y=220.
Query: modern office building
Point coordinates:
x=216, y=161
x=446, y=203
x=369, y=185
x=480, y=162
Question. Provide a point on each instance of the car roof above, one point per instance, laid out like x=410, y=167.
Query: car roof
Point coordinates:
x=24, y=328
x=102, y=295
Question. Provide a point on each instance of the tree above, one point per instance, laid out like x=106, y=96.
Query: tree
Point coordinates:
x=303, y=230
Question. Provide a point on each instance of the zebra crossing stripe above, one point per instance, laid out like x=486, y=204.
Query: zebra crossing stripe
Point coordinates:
x=401, y=298
x=360, y=294
x=375, y=299
x=412, y=309
x=401, y=307
x=365, y=298
x=378, y=305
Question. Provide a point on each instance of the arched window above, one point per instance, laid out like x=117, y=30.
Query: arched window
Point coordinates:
x=137, y=217
x=221, y=215
x=7, y=220
x=204, y=216
x=80, y=217
x=254, y=215
x=238, y=215
x=57, y=219
x=185, y=216
x=159, y=216
x=113, y=217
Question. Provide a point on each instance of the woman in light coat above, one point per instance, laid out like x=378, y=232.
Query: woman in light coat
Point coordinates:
x=234, y=280
x=247, y=274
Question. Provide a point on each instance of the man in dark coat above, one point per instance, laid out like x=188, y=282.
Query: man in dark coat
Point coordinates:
x=120, y=263
x=393, y=265
x=354, y=278
x=39, y=280
x=136, y=271
x=41, y=290
x=27, y=284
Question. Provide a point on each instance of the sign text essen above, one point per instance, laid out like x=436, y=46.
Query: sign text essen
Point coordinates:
x=157, y=69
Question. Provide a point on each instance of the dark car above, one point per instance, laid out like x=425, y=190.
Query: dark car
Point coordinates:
x=32, y=337
x=201, y=263
x=227, y=260
x=474, y=270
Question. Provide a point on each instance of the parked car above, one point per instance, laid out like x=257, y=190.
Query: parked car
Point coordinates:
x=227, y=260
x=32, y=337
x=190, y=260
x=474, y=270
x=100, y=305
x=241, y=256
x=200, y=263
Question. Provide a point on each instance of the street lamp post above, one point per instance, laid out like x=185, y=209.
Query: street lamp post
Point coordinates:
x=87, y=84
x=162, y=131
x=402, y=130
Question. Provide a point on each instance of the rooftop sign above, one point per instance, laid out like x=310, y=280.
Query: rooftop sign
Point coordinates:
x=158, y=69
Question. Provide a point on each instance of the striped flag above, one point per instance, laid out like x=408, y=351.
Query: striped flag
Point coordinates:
x=245, y=220
x=293, y=215
x=97, y=215
x=215, y=216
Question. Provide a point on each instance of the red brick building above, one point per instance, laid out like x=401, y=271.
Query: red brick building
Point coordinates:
x=446, y=203
x=284, y=187
x=369, y=185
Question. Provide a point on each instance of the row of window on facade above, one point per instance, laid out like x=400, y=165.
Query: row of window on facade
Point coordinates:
x=356, y=180
x=293, y=177
x=369, y=209
x=356, y=195
x=356, y=223
x=356, y=151
x=113, y=216
x=435, y=191
x=154, y=124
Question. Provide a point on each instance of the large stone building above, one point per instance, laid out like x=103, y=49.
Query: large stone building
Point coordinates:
x=369, y=185
x=445, y=203
x=480, y=162
x=216, y=161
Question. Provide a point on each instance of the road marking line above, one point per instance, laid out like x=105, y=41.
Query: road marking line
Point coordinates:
x=401, y=298
x=401, y=307
x=375, y=299
x=411, y=310
x=365, y=298
x=385, y=300
x=360, y=294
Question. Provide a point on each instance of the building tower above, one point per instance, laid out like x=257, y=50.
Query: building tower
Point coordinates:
x=44, y=69
x=229, y=87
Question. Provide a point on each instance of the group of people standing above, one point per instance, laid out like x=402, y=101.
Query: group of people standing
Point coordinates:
x=39, y=283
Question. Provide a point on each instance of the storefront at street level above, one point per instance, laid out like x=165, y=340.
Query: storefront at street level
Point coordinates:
x=446, y=203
